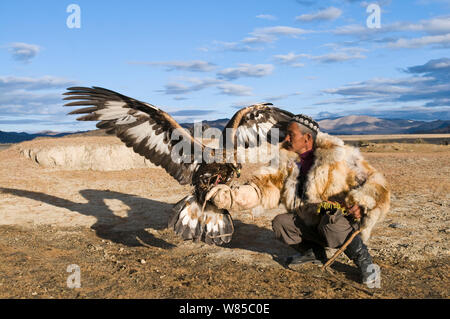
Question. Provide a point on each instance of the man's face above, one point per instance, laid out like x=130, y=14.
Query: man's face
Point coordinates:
x=296, y=141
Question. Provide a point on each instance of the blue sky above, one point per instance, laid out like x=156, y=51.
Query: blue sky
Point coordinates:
x=203, y=60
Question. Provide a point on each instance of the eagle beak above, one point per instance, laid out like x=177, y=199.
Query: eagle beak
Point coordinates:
x=238, y=172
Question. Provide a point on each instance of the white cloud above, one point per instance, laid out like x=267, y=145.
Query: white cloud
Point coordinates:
x=290, y=59
x=430, y=86
x=269, y=34
x=246, y=70
x=234, y=89
x=443, y=40
x=193, y=66
x=281, y=30
x=337, y=57
x=403, y=112
x=330, y=13
x=434, y=26
x=189, y=85
x=439, y=25
x=23, y=52
x=257, y=36
x=234, y=46
x=196, y=84
x=353, y=29
x=26, y=95
x=379, y=87
x=27, y=83
x=431, y=67
x=436, y=32
x=266, y=17
x=341, y=54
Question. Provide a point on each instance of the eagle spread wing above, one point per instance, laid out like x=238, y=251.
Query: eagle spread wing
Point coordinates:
x=150, y=131
x=142, y=126
x=253, y=123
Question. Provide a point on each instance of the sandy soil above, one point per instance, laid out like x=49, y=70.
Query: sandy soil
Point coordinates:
x=393, y=137
x=113, y=226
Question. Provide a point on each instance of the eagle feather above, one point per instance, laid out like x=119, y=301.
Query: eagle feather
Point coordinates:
x=150, y=132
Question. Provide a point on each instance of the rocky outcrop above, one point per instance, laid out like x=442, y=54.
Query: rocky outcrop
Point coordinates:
x=100, y=154
x=104, y=153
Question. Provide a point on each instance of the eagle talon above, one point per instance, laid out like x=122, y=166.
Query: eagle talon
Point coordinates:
x=218, y=179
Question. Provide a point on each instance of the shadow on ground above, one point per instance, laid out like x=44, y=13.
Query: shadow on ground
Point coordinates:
x=144, y=213
x=130, y=231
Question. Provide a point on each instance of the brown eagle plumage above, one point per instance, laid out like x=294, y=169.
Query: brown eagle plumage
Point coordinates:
x=154, y=134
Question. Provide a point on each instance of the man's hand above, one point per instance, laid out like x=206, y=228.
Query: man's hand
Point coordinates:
x=355, y=211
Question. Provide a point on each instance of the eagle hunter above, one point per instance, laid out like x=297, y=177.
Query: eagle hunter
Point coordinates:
x=150, y=131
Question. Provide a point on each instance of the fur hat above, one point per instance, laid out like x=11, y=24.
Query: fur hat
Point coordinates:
x=306, y=121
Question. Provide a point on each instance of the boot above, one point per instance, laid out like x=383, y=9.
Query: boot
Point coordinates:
x=310, y=252
x=358, y=252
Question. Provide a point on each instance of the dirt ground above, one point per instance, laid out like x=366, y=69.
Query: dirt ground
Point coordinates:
x=113, y=226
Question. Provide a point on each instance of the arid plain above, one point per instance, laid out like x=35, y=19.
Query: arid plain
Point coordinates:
x=86, y=201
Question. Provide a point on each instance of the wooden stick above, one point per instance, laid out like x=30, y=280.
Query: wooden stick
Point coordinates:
x=329, y=271
x=336, y=254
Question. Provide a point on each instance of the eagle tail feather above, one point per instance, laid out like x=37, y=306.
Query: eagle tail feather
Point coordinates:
x=214, y=225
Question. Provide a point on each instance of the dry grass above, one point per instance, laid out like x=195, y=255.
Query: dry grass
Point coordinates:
x=106, y=221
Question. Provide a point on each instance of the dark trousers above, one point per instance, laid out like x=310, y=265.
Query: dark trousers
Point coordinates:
x=332, y=230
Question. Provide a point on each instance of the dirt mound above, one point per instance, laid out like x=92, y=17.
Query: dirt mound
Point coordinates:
x=83, y=153
x=101, y=153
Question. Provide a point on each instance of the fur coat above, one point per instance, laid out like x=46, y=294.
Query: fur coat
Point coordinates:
x=339, y=173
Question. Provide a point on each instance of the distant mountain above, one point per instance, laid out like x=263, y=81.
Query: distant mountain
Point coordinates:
x=14, y=137
x=433, y=127
x=347, y=125
x=97, y=132
x=48, y=133
x=220, y=124
x=361, y=124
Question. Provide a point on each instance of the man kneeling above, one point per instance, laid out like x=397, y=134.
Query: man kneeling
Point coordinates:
x=329, y=191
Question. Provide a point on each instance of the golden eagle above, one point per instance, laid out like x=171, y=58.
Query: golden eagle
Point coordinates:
x=154, y=134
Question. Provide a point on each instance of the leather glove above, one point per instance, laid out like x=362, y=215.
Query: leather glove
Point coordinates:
x=222, y=197
x=237, y=198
